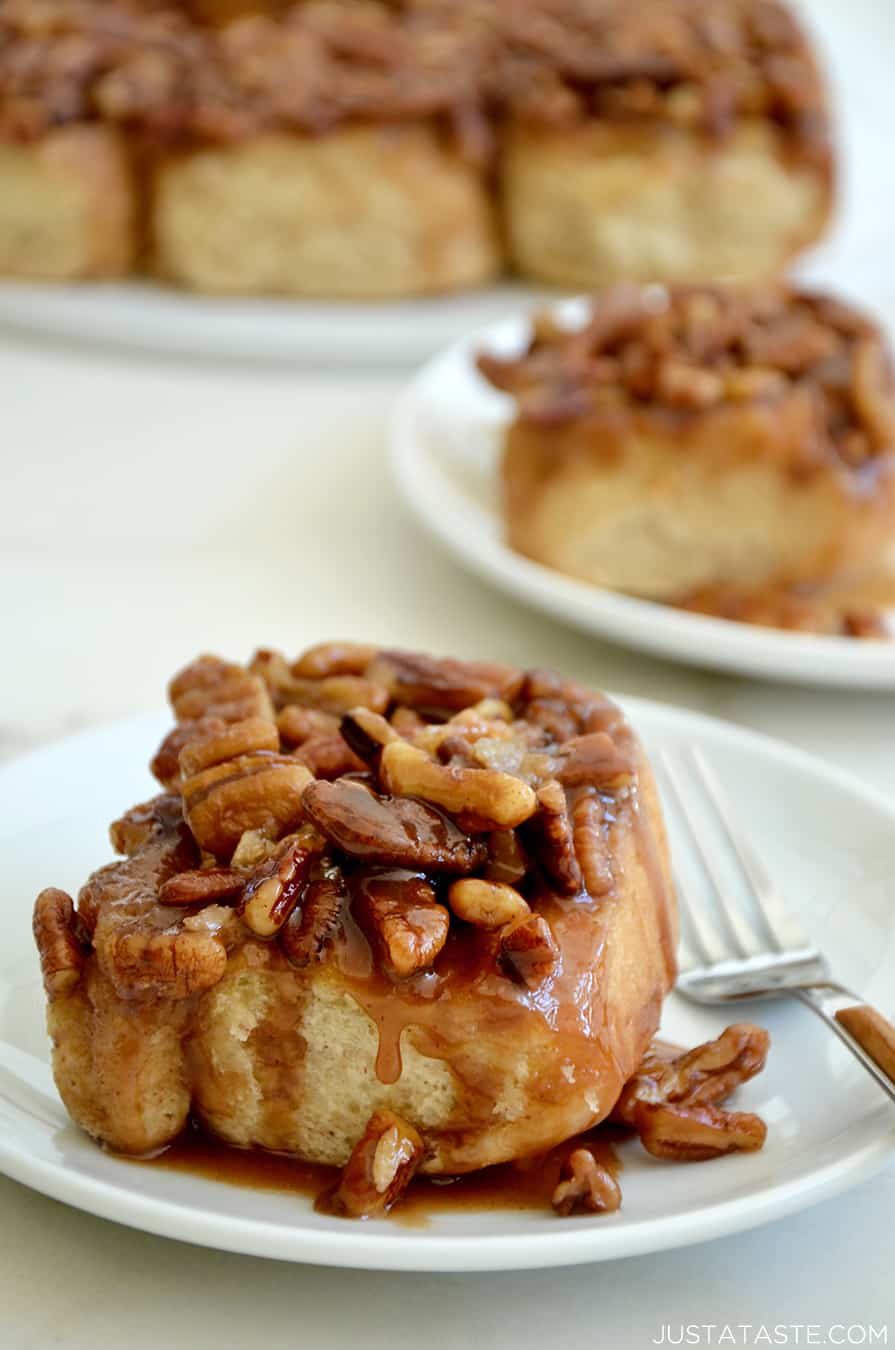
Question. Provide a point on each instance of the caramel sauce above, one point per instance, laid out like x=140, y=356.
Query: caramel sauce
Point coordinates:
x=521, y=1185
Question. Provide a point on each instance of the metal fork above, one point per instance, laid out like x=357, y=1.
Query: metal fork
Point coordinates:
x=731, y=952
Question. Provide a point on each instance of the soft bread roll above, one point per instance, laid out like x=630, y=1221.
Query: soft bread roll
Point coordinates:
x=702, y=439
x=588, y=205
x=361, y=212
x=67, y=206
x=494, y=1042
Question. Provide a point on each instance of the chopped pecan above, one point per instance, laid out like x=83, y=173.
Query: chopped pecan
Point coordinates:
x=528, y=950
x=549, y=838
x=390, y=830
x=333, y=658
x=297, y=725
x=366, y=732
x=380, y=1168
x=61, y=954
x=585, y=1186
x=328, y=756
x=274, y=890
x=309, y=927
x=440, y=687
x=491, y=799
x=254, y=847
x=398, y=913
x=165, y=763
x=202, y=886
x=487, y=904
x=259, y=791
x=695, y=1133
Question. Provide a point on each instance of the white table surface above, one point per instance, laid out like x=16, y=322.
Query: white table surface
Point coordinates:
x=152, y=509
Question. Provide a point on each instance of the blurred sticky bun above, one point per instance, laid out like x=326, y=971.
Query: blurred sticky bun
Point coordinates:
x=336, y=148
x=731, y=450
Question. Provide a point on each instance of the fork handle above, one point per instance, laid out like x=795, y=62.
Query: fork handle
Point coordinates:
x=869, y=1036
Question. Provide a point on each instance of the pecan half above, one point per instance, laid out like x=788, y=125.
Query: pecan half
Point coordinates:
x=591, y=845
x=492, y=799
x=440, y=686
x=307, y=931
x=259, y=791
x=594, y=761
x=585, y=1186
x=61, y=954
x=398, y=913
x=209, y=687
x=297, y=725
x=328, y=756
x=231, y=741
x=695, y=1133
x=389, y=830
x=165, y=763
x=380, y=1168
x=171, y=963
x=529, y=951
x=201, y=886
x=706, y=1075
x=506, y=858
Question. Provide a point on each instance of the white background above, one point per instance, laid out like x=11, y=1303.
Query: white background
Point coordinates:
x=151, y=508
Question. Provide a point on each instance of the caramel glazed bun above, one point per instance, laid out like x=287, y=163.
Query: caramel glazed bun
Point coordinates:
x=374, y=881
x=697, y=438
x=283, y=151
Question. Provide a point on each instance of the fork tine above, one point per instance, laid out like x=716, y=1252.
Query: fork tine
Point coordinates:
x=744, y=939
x=783, y=931
x=692, y=951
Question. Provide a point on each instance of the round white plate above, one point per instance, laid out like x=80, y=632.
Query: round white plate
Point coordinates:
x=828, y=842
x=445, y=435
x=142, y=315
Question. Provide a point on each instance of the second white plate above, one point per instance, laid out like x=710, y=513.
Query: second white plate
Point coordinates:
x=445, y=436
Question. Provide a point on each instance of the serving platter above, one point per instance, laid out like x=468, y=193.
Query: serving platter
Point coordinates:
x=830, y=845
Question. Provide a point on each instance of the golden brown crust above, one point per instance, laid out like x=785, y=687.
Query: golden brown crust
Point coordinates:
x=334, y=980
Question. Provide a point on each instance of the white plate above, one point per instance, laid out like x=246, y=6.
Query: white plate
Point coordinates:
x=829, y=843
x=157, y=318
x=445, y=434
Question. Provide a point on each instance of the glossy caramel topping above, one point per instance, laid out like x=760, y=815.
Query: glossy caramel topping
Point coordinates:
x=472, y=63
x=678, y=353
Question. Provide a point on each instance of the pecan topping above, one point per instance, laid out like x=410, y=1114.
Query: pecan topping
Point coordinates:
x=258, y=791
x=213, y=688
x=297, y=725
x=399, y=915
x=506, y=858
x=366, y=733
x=61, y=954
x=489, y=798
x=438, y=687
x=309, y=927
x=549, y=834
x=328, y=756
x=696, y=1133
x=705, y=1075
x=380, y=1168
x=657, y=355
x=202, y=886
x=487, y=904
x=389, y=830
x=272, y=893
x=165, y=764
x=528, y=950
x=333, y=658
x=218, y=746
x=585, y=1186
